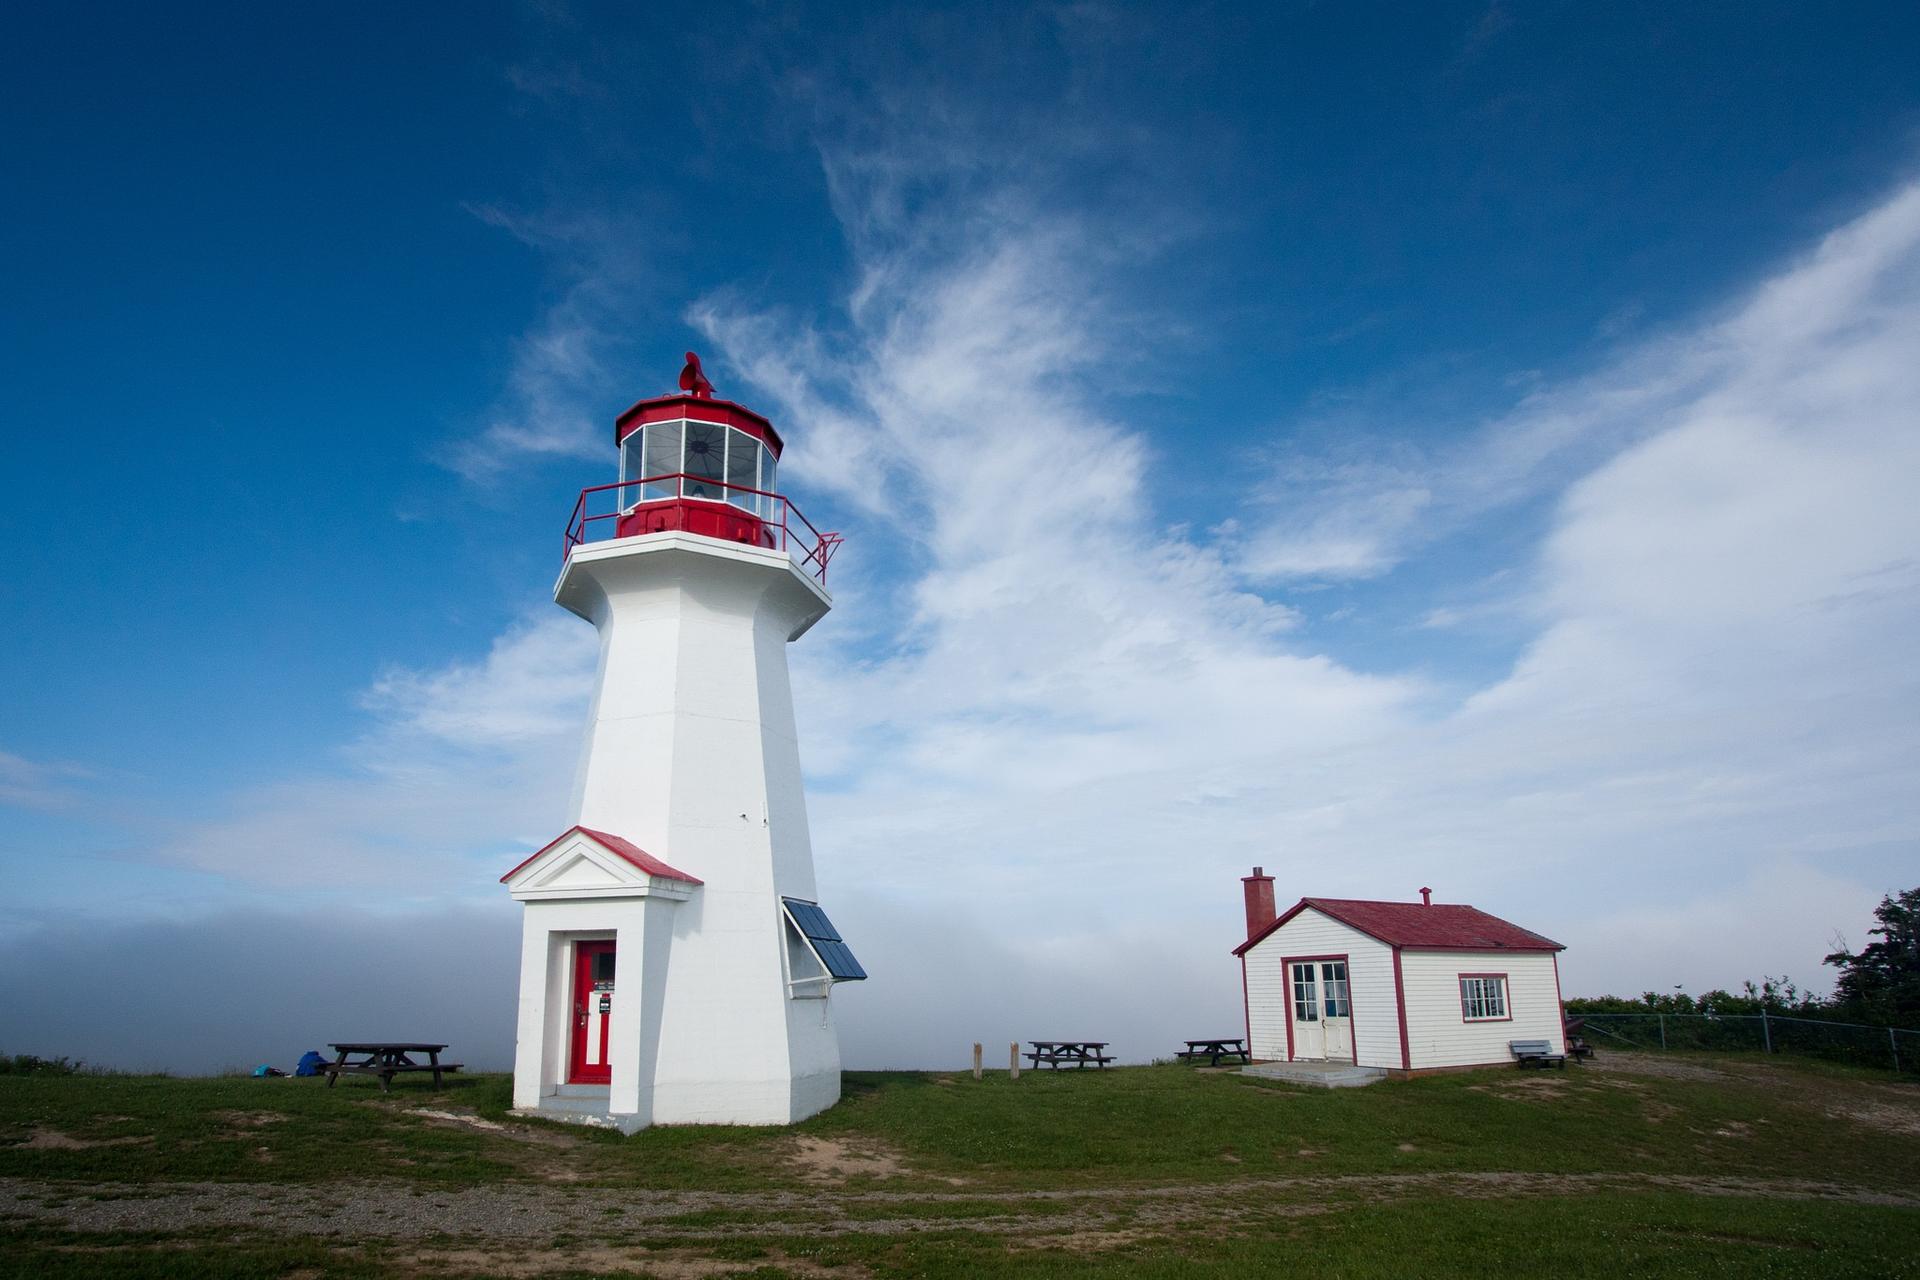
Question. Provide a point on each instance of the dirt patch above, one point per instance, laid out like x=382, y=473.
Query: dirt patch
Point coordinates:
x=1654, y=1111
x=831, y=1160
x=462, y=1119
x=54, y=1140
x=1085, y=1241
x=1886, y=1117
x=550, y=1148
x=1536, y=1088
x=1652, y=1064
x=252, y=1119
x=589, y=1259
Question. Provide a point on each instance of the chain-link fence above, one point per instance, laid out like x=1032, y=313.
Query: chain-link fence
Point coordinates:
x=1885, y=1047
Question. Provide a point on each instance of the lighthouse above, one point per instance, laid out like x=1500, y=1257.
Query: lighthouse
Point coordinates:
x=676, y=964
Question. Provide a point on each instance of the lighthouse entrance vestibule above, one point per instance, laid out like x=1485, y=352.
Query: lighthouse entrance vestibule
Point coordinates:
x=592, y=1012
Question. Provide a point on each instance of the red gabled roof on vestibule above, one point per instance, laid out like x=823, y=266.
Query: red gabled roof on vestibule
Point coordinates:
x=627, y=849
x=1439, y=927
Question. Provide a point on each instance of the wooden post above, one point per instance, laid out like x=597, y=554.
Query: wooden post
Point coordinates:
x=976, y=1060
x=1013, y=1060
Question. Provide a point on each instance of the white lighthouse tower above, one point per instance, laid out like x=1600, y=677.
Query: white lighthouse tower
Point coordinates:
x=676, y=966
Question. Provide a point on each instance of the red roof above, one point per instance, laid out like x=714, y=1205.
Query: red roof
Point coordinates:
x=1440, y=927
x=614, y=844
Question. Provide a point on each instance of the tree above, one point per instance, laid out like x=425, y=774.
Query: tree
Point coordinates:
x=1883, y=978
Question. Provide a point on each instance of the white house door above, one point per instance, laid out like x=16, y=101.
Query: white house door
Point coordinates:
x=1309, y=1037
x=1336, y=1021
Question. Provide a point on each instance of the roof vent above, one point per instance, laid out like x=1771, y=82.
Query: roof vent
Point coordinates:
x=1426, y=896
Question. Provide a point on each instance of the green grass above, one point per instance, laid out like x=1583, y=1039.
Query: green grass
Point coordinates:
x=974, y=1144
x=1134, y=1126
x=1591, y=1236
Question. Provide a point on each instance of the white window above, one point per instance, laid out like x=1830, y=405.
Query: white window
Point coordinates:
x=1306, y=1002
x=1333, y=985
x=1483, y=997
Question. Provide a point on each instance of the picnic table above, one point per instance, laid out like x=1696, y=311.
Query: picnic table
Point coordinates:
x=386, y=1060
x=1078, y=1053
x=1214, y=1050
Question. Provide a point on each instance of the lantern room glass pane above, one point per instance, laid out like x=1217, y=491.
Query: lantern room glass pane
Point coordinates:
x=768, y=481
x=705, y=460
x=662, y=459
x=632, y=466
x=743, y=469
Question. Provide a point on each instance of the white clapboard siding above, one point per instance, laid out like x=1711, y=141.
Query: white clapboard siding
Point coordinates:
x=1437, y=1034
x=1376, y=1027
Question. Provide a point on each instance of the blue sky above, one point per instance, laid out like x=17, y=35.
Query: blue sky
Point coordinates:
x=1463, y=445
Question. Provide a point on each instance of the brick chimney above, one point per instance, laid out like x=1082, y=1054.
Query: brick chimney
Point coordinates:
x=1259, y=890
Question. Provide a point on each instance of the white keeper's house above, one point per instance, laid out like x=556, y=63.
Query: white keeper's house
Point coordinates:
x=1404, y=987
x=676, y=966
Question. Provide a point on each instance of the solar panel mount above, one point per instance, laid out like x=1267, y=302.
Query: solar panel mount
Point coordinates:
x=823, y=940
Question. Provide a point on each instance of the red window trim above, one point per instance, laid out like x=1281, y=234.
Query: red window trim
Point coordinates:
x=1400, y=1007
x=1506, y=997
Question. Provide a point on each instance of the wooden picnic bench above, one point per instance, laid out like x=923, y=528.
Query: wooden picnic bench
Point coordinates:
x=1214, y=1050
x=386, y=1060
x=1077, y=1053
x=1536, y=1053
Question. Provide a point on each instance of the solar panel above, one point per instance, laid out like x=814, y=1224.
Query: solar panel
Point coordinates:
x=825, y=940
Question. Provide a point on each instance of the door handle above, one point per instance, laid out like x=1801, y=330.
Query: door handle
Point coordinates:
x=580, y=1012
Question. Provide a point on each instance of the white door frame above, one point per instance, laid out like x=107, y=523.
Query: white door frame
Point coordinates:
x=1308, y=1036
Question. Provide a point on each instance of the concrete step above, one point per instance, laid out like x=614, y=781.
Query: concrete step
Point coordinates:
x=1318, y=1075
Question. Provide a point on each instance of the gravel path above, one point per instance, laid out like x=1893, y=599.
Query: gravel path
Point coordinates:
x=403, y=1211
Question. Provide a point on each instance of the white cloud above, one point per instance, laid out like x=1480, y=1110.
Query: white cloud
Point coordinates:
x=1088, y=716
x=1074, y=726
x=1821, y=329
x=555, y=401
x=462, y=763
x=34, y=784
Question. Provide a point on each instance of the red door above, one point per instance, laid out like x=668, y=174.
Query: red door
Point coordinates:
x=592, y=1013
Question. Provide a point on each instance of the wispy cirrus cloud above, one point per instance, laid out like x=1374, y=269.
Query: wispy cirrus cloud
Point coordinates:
x=460, y=763
x=561, y=373
x=1714, y=694
x=36, y=784
x=1066, y=716
x=1361, y=510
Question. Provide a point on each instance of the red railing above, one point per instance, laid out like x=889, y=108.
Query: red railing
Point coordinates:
x=779, y=520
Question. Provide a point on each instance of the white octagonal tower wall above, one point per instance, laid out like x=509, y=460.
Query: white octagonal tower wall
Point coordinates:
x=691, y=754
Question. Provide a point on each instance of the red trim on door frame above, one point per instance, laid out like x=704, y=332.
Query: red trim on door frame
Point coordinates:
x=1559, y=1001
x=579, y=1070
x=1246, y=1007
x=1506, y=997
x=1286, y=972
x=1400, y=1004
x=1286, y=988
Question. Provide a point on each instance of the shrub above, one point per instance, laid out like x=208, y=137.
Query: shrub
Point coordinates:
x=27, y=1064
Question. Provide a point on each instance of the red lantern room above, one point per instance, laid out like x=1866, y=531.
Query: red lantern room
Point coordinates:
x=692, y=463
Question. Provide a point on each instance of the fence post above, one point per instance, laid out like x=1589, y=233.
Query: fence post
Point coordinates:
x=1766, y=1029
x=1894, y=1045
x=1663, y=1031
x=1013, y=1059
x=976, y=1060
